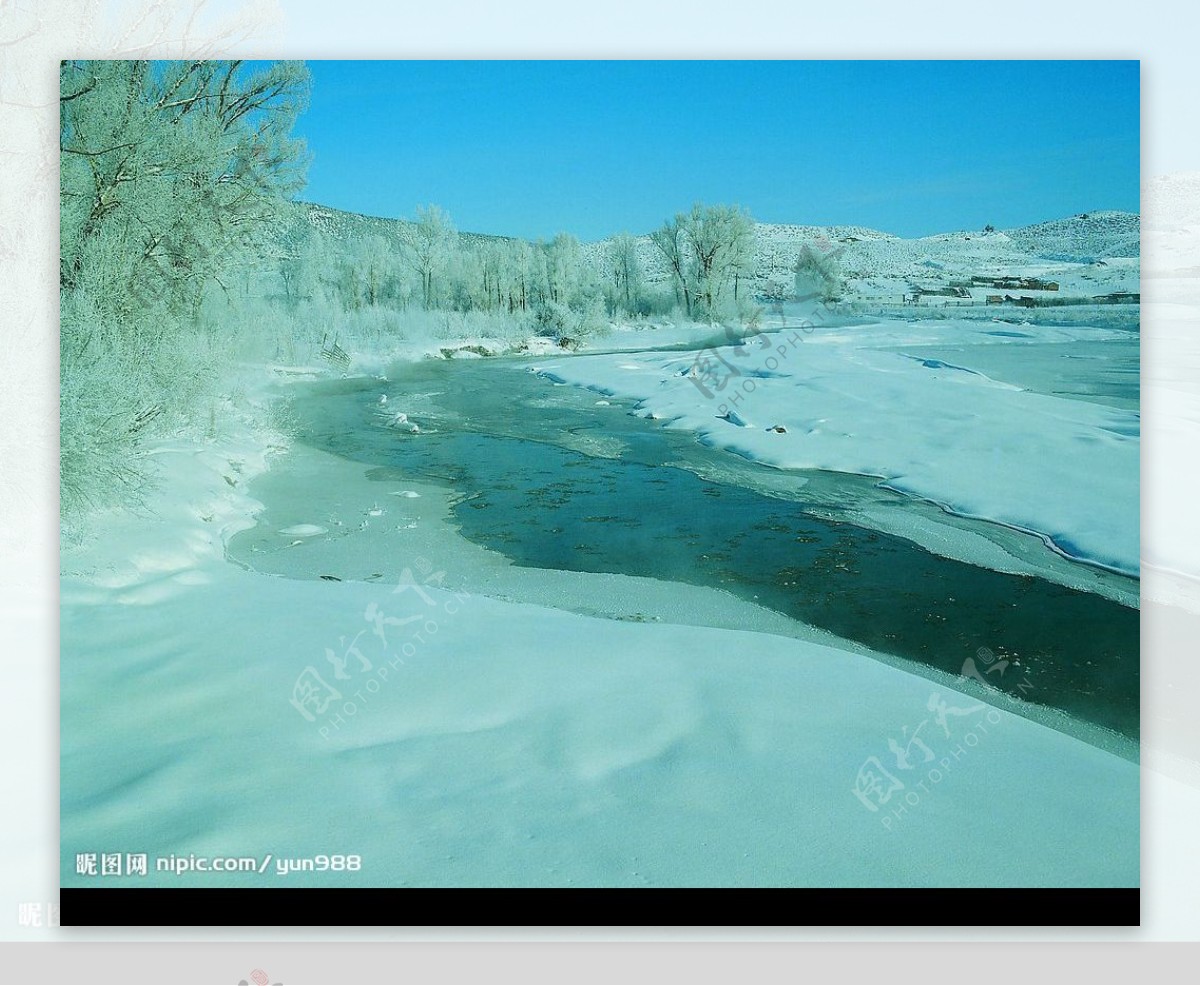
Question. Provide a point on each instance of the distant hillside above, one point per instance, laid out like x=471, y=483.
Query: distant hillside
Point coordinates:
x=868, y=258
x=1082, y=239
x=343, y=226
x=866, y=254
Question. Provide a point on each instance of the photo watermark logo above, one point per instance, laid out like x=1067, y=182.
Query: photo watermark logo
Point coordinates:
x=38, y=914
x=713, y=374
x=931, y=757
x=329, y=706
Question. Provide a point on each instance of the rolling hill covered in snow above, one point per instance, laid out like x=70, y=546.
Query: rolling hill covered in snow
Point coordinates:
x=1086, y=255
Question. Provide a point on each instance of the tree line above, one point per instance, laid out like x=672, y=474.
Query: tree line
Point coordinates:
x=700, y=264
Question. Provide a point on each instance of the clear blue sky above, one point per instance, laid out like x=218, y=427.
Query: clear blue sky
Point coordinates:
x=593, y=148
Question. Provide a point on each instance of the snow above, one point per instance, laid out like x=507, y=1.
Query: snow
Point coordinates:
x=304, y=530
x=606, y=730
x=1084, y=238
x=1065, y=470
x=518, y=744
x=881, y=267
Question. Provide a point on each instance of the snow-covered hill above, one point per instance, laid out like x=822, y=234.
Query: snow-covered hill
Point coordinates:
x=1088, y=255
x=342, y=226
x=1091, y=254
x=1081, y=239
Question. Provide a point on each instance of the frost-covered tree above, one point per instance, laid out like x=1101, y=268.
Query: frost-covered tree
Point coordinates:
x=670, y=239
x=378, y=270
x=624, y=271
x=430, y=243
x=719, y=238
x=174, y=177
x=518, y=268
x=708, y=251
x=506, y=265
x=563, y=269
x=740, y=252
x=174, y=172
x=490, y=266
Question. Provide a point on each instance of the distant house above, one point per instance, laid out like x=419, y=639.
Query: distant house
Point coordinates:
x=1015, y=283
x=995, y=299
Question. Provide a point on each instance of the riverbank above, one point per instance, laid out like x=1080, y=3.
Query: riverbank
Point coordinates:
x=494, y=742
x=850, y=401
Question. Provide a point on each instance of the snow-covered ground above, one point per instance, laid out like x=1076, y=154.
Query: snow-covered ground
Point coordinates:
x=494, y=734
x=494, y=742
x=850, y=399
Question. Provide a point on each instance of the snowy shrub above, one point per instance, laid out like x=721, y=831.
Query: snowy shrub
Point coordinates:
x=120, y=385
x=592, y=318
x=553, y=320
x=568, y=325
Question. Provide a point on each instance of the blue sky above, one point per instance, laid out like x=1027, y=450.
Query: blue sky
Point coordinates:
x=532, y=148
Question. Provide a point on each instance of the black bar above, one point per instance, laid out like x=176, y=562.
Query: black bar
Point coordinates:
x=982, y=908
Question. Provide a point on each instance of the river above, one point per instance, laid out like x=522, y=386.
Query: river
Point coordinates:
x=556, y=479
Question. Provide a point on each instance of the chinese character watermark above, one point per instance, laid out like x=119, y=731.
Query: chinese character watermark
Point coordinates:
x=353, y=675
x=713, y=374
x=890, y=790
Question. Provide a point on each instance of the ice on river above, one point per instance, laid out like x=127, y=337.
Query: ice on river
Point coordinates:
x=851, y=400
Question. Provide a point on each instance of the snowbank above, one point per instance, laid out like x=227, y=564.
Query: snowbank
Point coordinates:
x=1065, y=470
x=516, y=745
